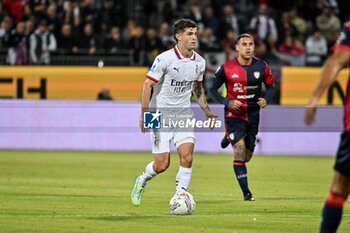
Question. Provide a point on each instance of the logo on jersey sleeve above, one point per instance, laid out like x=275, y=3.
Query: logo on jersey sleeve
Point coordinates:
x=155, y=64
x=153, y=68
x=217, y=70
x=232, y=136
x=341, y=38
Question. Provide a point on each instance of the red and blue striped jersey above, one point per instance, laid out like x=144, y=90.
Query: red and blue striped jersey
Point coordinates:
x=244, y=83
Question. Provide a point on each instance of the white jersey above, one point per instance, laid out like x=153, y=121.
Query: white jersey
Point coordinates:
x=174, y=76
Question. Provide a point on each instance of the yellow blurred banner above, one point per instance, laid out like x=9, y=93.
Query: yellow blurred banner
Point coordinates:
x=125, y=83
x=297, y=85
x=79, y=83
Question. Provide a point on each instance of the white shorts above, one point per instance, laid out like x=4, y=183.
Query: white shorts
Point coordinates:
x=161, y=140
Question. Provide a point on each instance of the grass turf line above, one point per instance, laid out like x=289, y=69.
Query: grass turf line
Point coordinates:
x=90, y=192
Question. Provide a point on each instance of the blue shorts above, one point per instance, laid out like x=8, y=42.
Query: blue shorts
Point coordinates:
x=342, y=162
x=236, y=129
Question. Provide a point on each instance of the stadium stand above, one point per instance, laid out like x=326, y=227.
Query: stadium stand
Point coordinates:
x=132, y=33
x=118, y=31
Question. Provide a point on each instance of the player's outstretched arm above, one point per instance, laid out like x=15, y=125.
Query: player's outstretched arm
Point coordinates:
x=328, y=75
x=198, y=91
x=145, y=97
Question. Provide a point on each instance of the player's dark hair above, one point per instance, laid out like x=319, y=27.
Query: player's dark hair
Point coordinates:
x=181, y=24
x=243, y=36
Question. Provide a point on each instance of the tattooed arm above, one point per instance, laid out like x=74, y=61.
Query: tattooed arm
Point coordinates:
x=198, y=91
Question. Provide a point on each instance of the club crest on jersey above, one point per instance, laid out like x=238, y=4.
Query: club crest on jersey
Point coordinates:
x=256, y=74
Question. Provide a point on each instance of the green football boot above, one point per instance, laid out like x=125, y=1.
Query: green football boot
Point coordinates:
x=137, y=192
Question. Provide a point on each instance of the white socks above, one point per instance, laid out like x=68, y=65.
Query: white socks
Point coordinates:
x=148, y=174
x=183, y=178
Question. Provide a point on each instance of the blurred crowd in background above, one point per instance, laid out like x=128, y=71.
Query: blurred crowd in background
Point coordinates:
x=296, y=33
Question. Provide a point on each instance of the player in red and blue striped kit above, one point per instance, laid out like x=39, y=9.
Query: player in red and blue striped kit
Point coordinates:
x=340, y=187
x=243, y=77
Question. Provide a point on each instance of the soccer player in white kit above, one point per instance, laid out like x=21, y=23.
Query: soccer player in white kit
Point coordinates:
x=174, y=75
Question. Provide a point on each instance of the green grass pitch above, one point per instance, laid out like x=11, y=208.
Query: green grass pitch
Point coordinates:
x=55, y=192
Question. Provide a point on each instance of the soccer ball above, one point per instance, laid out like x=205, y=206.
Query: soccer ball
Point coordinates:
x=182, y=203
